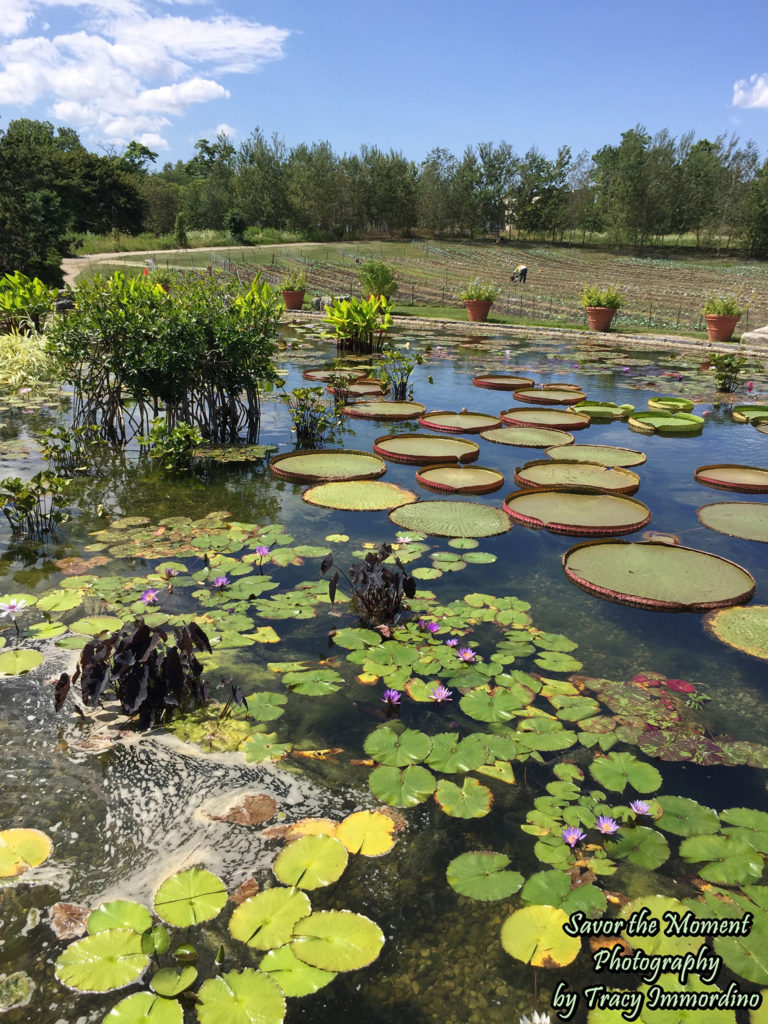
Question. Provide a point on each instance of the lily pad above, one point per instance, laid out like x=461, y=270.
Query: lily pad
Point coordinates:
x=685, y=817
x=22, y=849
x=730, y=861
x=746, y=629
x=402, y=787
x=146, y=1008
x=460, y=479
x=501, y=381
x=749, y=413
x=369, y=833
x=657, y=576
x=555, y=419
x=452, y=519
x=642, y=846
x=190, y=897
x=670, y=403
x=554, y=888
x=616, y=770
x=605, y=454
x=346, y=372
x=551, y=394
x=459, y=422
x=451, y=755
x=398, y=749
x=294, y=977
x=671, y=423
x=327, y=464
x=241, y=997
x=603, y=411
x=727, y=476
x=266, y=920
x=483, y=876
x=425, y=449
x=169, y=983
x=385, y=410
x=470, y=800
x=563, y=473
x=528, y=437
x=98, y=963
x=337, y=940
x=119, y=914
x=311, y=862
x=535, y=935
x=18, y=660
x=745, y=519
x=574, y=514
x=59, y=601
x=96, y=624
x=359, y=495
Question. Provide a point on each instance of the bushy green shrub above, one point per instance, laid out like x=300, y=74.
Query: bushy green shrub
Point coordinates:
x=727, y=368
x=376, y=278
x=724, y=305
x=359, y=324
x=609, y=297
x=173, y=446
x=479, y=291
x=24, y=301
x=294, y=280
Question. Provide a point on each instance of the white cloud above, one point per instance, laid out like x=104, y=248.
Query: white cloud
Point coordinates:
x=226, y=129
x=122, y=71
x=753, y=93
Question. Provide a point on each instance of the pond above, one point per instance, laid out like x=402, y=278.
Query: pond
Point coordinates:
x=581, y=687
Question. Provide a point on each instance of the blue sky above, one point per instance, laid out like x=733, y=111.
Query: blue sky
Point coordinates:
x=402, y=75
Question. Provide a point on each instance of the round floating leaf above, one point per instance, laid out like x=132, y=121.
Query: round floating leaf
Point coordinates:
x=495, y=704
x=566, y=474
x=294, y=977
x=264, y=747
x=749, y=413
x=501, y=381
x=389, y=747
x=684, y=817
x=241, y=997
x=369, y=833
x=729, y=477
x=401, y=787
x=555, y=419
x=603, y=410
x=119, y=914
x=670, y=403
x=556, y=661
x=267, y=919
x=746, y=629
x=356, y=639
x=425, y=449
x=22, y=849
x=483, y=876
x=535, y=935
x=745, y=519
x=451, y=755
x=576, y=513
x=471, y=800
x=553, y=642
x=733, y=861
x=460, y=479
x=337, y=940
x=313, y=682
x=385, y=410
x=528, y=437
x=553, y=888
x=265, y=706
x=59, y=601
x=98, y=963
x=145, y=1008
x=311, y=862
x=96, y=624
x=747, y=955
x=640, y=845
x=616, y=770
x=672, y=423
x=346, y=372
x=459, y=422
x=359, y=495
x=327, y=464
x=169, y=983
x=452, y=519
x=657, y=576
x=604, y=454
x=551, y=394
x=18, y=660
x=655, y=907
x=190, y=897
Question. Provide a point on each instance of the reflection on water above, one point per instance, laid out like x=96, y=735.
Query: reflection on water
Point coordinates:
x=124, y=817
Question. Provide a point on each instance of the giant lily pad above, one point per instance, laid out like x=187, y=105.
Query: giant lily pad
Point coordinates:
x=501, y=381
x=425, y=449
x=729, y=477
x=749, y=413
x=528, y=437
x=98, y=963
x=600, y=411
x=327, y=464
x=460, y=479
x=605, y=454
x=385, y=410
x=346, y=372
x=337, y=940
x=311, y=862
x=22, y=849
x=190, y=897
x=359, y=495
x=146, y=1008
x=452, y=519
x=267, y=919
x=363, y=387
x=657, y=576
x=563, y=473
x=556, y=419
x=551, y=394
x=576, y=513
x=241, y=997
x=745, y=519
x=535, y=935
x=672, y=423
x=459, y=422
x=483, y=876
x=670, y=403
x=746, y=629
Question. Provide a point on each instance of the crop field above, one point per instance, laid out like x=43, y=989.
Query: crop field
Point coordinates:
x=662, y=294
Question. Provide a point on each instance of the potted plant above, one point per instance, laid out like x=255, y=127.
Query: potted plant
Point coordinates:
x=722, y=313
x=293, y=286
x=600, y=305
x=478, y=297
x=377, y=280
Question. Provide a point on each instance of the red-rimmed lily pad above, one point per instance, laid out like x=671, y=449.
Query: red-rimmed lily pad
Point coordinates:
x=452, y=519
x=460, y=479
x=607, y=454
x=347, y=372
x=660, y=422
x=749, y=413
x=459, y=422
x=327, y=464
x=363, y=387
x=746, y=629
x=501, y=381
x=745, y=519
x=727, y=476
x=359, y=495
x=551, y=394
x=425, y=449
x=528, y=437
x=576, y=513
x=670, y=403
x=566, y=474
x=385, y=410
x=657, y=576
x=556, y=419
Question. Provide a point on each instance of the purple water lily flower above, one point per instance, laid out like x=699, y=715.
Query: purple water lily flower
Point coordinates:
x=170, y=573
x=452, y=642
x=149, y=596
x=572, y=835
x=640, y=807
x=433, y=627
x=391, y=698
x=262, y=551
x=465, y=654
x=606, y=825
x=441, y=694
x=220, y=582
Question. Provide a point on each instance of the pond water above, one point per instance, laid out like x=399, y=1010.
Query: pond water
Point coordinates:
x=124, y=815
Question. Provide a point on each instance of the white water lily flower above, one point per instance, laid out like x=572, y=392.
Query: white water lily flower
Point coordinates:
x=537, y=1018
x=12, y=608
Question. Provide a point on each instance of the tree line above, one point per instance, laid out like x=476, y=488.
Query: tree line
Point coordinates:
x=634, y=193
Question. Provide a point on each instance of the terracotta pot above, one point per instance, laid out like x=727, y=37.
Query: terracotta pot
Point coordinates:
x=720, y=327
x=478, y=309
x=293, y=300
x=600, y=318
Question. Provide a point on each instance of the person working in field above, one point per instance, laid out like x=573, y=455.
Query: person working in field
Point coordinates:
x=520, y=274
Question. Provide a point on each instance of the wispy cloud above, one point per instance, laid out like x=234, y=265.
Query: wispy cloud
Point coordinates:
x=752, y=93
x=123, y=71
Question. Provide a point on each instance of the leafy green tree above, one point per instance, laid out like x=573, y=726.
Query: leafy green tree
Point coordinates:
x=435, y=192
x=259, y=180
x=235, y=223
x=180, y=231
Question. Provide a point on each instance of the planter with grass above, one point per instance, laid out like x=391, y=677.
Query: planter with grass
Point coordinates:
x=293, y=288
x=600, y=305
x=722, y=313
x=478, y=297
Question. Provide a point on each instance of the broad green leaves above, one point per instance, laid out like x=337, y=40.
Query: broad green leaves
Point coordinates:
x=190, y=897
x=483, y=876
